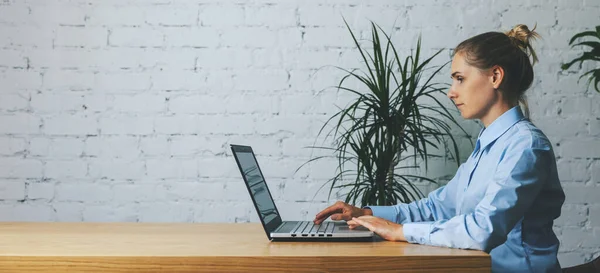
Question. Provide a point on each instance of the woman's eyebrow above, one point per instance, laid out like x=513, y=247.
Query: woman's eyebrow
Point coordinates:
x=454, y=74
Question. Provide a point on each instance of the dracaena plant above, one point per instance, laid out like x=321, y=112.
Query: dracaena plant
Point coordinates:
x=392, y=124
x=593, y=55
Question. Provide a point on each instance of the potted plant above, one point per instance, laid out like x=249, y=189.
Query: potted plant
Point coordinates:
x=593, y=55
x=396, y=117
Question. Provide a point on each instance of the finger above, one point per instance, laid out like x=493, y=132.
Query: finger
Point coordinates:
x=364, y=223
x=337, y=207
x=337, y=216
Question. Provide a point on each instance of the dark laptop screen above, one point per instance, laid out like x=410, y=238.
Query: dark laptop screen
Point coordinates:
x=257, y=186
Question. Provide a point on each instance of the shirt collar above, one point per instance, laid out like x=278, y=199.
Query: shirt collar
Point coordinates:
x=499, y=126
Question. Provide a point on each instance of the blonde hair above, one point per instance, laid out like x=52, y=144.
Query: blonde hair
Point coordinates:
x=511, y=51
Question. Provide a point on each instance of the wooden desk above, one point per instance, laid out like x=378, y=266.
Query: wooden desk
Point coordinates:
x=184, y=247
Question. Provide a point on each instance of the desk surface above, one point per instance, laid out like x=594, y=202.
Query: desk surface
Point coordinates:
x=185, y=247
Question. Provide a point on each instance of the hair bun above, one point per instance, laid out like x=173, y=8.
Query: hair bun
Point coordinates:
x=522, y=37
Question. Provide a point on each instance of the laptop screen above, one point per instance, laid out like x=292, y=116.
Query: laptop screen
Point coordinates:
x=257, y=186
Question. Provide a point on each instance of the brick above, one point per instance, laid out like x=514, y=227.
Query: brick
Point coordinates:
x=187, y=145
x=14, y=102
x=142, y=103
x=572, y=215
x=70, y=125
x=58, y=15
x=19, y=124
x=14, y=80
x=327, y=37
x=253, y=103
x=26, y=212
x=196, y=104
x=172, y=59
x=126, y=193
x=576, y=107
x=221, y=15
x=249, y=37
x=56, y=147
x=172, y=168
x=294, y=125
x=570, y=17
x=261, y=80
x=596, y=171
x=65, y=169
x=136, y=37
x=226, y=125
x=106, y=213
x=270, y=15
x=116, y=16
x=154, y=146
x=69, y=81
x=81, y=37
x=169, y=212
x=40, y=190
x=573, y=238
x=191, y=37
x=12, y=190
x=68, y=211
x=212, y=214
x=196, y=191
x=289, y=38
x=178, y=124
x=122, y=124
x=20, y=168
x=320, y=16
x=14, y=14
x=223, y=58
x=575, y=170
x=560, y=128
x=578, y=194
x=53, y=102
x=570, y=259
x=437, y=16
x=12, y=58
x=116, y=169
x=112, y=147
x=595, y=216
x=11, y=146
x=594, y=128
x=122, y=82
x=545, y=17
x=580, y=148
x=26, y=36
x=172, y=16
x=314, y=59
x=182, y=80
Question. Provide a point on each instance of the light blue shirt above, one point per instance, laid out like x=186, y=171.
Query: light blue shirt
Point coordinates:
x=502, y=200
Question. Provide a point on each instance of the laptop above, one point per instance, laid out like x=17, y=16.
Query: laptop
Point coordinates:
x=275, y=227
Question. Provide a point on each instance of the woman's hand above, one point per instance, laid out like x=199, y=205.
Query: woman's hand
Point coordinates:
x=385, y=229
x=340, y=211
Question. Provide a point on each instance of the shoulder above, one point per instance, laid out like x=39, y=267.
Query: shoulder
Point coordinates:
x=524, y=134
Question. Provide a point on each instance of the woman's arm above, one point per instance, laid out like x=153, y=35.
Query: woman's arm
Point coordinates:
x=438, y=205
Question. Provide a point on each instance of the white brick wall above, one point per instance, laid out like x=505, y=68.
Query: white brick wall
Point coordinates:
x=124, y=110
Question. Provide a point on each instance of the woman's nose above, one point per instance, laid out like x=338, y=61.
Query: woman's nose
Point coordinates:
x=451, y=94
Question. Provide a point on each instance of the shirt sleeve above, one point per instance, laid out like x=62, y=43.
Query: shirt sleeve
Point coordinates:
x=518, y=179
x=439, y=204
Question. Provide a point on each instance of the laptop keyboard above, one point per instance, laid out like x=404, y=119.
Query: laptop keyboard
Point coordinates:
x=308, y=228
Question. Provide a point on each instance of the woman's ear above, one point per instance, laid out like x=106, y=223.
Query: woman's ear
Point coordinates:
x=497, y=76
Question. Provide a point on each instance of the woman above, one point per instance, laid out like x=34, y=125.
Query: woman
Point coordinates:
x=505, y=197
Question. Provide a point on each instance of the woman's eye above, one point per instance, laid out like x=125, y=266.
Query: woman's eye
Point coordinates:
x=459, y=79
